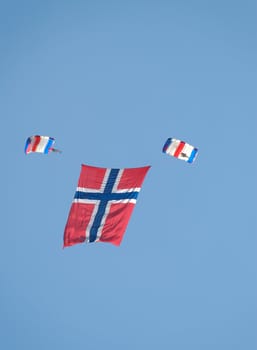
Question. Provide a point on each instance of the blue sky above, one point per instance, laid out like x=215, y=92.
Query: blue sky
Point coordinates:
x=111, y=81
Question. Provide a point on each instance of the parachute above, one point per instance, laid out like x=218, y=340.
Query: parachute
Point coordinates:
x=40, y=144
x=180, y=150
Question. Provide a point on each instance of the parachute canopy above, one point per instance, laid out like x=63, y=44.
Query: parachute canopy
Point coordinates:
x=180, y=150
x=40, y=144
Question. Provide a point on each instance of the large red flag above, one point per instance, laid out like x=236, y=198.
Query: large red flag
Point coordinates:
x=103, y=203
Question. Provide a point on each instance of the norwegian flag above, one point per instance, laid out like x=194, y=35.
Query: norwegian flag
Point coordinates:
x=102, y=205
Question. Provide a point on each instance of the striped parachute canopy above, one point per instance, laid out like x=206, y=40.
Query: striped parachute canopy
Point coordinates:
x=180, y=150
x=40, y=144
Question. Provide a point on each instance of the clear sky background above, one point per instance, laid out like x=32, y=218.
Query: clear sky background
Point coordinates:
x=111, y=81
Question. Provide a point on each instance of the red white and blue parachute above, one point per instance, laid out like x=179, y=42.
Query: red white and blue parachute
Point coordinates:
x=180, y=150
x=40, y=144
